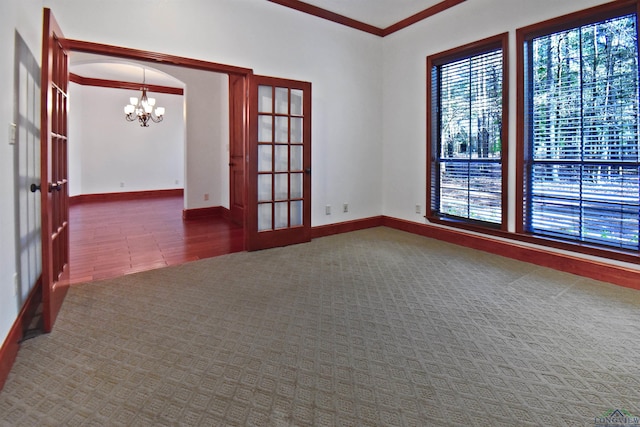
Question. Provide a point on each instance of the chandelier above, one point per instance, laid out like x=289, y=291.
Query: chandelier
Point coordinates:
x=142, y=109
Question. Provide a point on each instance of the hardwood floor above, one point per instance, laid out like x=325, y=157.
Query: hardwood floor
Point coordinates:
x=114, y=238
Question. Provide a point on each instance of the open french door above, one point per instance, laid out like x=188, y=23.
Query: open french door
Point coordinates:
x=54, y=170
x=279, y=169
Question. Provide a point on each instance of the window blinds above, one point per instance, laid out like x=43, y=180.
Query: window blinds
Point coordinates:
x=583, y=144
x=469, y=181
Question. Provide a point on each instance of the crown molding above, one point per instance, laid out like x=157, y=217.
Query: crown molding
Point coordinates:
x=420, y=16
x=358, y=25
x=330, y=16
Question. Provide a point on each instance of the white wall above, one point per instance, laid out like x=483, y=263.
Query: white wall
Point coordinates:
x=207, y=136
x=26, y=18
x=191, y=148
x=109, y=154
x=75, y=149
x=404, y=89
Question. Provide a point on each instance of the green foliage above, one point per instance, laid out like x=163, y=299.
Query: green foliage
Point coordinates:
x=585, y=92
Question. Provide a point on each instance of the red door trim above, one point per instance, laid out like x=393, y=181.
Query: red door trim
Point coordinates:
x=125, y=52
x=117, y=84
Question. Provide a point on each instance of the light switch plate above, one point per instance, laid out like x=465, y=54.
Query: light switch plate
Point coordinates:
x=12, y=134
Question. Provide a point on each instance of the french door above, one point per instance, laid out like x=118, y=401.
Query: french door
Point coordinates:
x=53, y=170
x=279, y=178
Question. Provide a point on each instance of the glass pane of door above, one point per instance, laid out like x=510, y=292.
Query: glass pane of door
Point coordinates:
x=280, y=157
x=27, y=161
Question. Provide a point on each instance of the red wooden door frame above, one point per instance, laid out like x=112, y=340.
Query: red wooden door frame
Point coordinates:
x=238, y=122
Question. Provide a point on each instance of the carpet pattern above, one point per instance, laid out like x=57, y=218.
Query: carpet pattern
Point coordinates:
x=371, y=328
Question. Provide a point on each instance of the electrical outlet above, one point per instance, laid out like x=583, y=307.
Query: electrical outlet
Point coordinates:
x=206, y=196
x=327, y=210
x=122, y=185
x=177, y=181
x=418, y=209
x=345, y=207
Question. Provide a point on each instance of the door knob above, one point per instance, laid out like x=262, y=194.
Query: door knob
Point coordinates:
x=55, y=186
x=307, y=171
x=34, y=188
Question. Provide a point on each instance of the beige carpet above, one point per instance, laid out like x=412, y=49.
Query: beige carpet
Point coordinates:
x=372, y=328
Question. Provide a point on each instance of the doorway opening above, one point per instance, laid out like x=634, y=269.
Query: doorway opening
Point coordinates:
x=213, y=181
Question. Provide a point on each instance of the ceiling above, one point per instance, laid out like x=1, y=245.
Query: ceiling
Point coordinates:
x=379, y=13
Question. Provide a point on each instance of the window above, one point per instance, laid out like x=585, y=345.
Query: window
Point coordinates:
x=580, y=141
x=466, y=144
